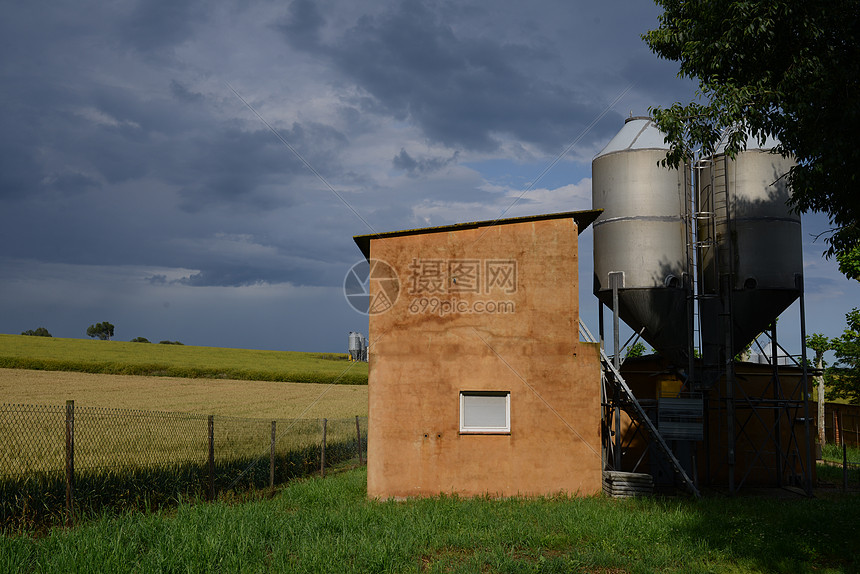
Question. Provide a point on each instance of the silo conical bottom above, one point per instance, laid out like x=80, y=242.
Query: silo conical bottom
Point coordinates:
x=755, y=310
x=662, y=312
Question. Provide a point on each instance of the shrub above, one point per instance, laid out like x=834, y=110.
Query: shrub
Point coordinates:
x=40, y=332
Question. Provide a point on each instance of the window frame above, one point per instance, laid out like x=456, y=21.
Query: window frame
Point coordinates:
x=506, y=430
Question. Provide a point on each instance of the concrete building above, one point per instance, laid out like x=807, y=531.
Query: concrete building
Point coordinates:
x=478, y=381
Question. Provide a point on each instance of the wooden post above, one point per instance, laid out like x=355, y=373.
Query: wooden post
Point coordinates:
x=70, y=461
x=272, y=458
x=844, y=467
x=322, y=453
x=211, y=489
x=358, y=434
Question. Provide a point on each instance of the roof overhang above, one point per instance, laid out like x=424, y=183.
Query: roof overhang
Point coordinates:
x=582, y=219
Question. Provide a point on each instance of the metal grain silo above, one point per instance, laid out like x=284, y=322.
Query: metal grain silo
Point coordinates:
x=640, y=240
x=750, y=243
x=355, y=346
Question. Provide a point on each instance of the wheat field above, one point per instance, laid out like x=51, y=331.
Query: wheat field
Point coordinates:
x=224, y=397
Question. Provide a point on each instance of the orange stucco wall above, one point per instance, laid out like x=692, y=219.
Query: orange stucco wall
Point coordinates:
x=422, y=355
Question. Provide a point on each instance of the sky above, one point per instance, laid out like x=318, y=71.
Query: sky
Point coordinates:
x=195, y=171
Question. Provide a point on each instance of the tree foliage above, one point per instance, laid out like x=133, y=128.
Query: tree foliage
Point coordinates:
x=782, y=68
x=844, y=376
x=140, y=340
x=849, y=263
x=820, y=344
x=39, y=332
x=637, y=349
x=103, y=331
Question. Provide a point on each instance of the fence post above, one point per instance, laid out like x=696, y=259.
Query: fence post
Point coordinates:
x=272, y=458
x=322, y=453
x=70, y=461
x=358, y=434
x=836, y=433
x=211, y=489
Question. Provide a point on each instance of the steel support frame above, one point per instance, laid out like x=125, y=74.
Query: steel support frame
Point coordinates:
x=785, y=408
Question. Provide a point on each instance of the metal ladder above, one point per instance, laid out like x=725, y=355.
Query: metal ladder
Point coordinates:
x=635, y=411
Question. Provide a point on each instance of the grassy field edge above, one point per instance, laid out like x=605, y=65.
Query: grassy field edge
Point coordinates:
x=163, y=370
x=126, y=358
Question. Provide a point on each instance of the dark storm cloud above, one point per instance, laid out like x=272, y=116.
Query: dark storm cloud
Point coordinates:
x=415, y=167
x=18, y=168
x=73, y=179
x=112, y=128
x=113, y=136
x=154, y=25
x=303, y=26
x=462, y=92
x=262, y=272
x=238, y=276
x=72, y=183
x=237, y=165
x=184, y=94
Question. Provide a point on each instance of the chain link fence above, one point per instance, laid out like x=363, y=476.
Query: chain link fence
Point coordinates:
x=59, y=461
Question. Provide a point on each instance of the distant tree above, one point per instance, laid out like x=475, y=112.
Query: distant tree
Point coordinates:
x=844, y=376
x=140, y=340
x=820, y=344
x=744, y=355
x=40, y=332
x=170, y=343
x=103, y=331
x=637, y=349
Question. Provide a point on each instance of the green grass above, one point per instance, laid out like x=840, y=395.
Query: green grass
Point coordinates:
x=833, y=453
x=833, y=475
x=124, y=358
x=36, y=502
x=328, y=525
x=831, y=470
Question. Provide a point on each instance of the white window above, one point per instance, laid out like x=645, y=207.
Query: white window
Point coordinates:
x=485, y=411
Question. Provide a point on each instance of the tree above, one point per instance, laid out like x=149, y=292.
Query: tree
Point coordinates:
x=103, y=331
x=140, y=340
x=782, y=68
x=39, y=332
x=637, y=349
x=820, y=344
x=849, y=263
x=844, y=375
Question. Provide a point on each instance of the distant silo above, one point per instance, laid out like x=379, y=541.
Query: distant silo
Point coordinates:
x=355, y=346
